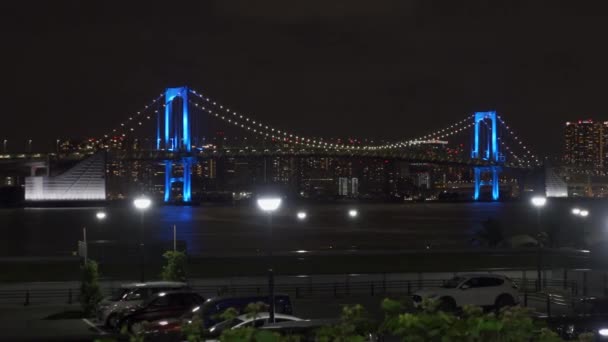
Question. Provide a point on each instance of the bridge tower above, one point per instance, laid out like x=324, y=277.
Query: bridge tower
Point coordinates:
x=485, y=147
x=176, y=138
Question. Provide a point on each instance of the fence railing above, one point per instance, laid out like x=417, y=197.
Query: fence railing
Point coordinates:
x=529, y=289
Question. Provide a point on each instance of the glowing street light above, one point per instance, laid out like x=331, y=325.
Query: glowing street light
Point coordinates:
x=539, y=201
x=301, y=215
x=269, y=205
x=100, y=215
x=353, y=213
x=141, y=204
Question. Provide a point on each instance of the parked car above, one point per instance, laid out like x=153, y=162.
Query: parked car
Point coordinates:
x=306, y=330
x=131, y=295
x=163, y=305
x=570, y=327
x=591, y=306
x=480, y=289
x=246, y=320
x=209, y=313
x=215, y=306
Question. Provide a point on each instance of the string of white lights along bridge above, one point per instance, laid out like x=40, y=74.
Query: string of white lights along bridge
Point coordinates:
x=519, y=160
x=136, y=119
x=519, y=142
x=268, y=132
x=237, y=119
x=257, y=127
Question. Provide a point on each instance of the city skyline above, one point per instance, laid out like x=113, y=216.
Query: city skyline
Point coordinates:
x=391, y=70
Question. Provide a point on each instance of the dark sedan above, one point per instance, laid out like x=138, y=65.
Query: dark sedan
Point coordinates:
x=163, y=305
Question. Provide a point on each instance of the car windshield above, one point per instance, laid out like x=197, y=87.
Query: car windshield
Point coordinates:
x=452, y=283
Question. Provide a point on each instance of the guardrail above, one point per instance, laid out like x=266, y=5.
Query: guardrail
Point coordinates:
x=312, y=290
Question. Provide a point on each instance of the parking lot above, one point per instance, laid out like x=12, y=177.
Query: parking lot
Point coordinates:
x=311, y=297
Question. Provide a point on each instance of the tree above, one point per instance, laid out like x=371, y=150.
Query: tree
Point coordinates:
x=511, y=324
x=194, y=329
x=248, y=334
x=90, y=293
x=175, y=270
x=354, y=325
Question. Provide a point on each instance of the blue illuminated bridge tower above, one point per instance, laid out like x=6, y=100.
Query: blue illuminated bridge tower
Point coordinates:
x=485, y=147
x=176, y=132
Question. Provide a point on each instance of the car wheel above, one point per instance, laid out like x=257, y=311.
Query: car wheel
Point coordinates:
x=503, y=301
x=447, y=304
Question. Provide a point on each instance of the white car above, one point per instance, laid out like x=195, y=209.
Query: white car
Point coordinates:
x=480, y=289
x=129, y=296
x=259, y=320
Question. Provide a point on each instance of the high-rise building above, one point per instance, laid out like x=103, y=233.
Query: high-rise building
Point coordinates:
x=586, y=143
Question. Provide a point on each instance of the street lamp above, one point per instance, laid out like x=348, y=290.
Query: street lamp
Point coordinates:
x=539, y=202
x=353, y=213
x=269, y=205
x=100, y=215
x=301, y=215
x=582, y=213
x=141, y=204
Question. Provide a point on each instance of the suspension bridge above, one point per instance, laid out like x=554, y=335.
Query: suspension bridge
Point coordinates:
x=177, y=114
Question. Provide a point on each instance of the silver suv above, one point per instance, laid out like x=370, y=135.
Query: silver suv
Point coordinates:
x=131, y=295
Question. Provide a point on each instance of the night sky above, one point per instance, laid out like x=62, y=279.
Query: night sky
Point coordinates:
x=392, y=69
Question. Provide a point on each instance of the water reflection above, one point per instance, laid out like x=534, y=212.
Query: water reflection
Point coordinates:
x=183, y=219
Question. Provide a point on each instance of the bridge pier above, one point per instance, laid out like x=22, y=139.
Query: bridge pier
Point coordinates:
x=485, y=148
x=495, y=182
x=176, y=139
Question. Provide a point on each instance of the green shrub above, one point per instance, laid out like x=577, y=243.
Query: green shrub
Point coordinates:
x=175, y=269
x=90, y=293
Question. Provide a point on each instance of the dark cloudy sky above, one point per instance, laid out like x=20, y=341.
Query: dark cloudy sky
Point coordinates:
x=392, y=69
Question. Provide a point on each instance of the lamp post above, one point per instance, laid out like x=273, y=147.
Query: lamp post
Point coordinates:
x=269, y=205
x=141, y=204
x=539, y=202
x=583, y=213
x=100, y=215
